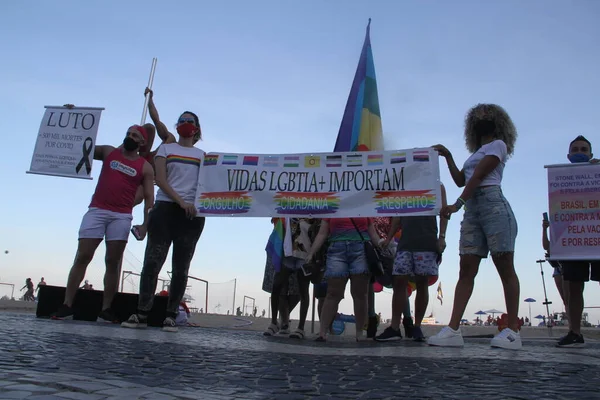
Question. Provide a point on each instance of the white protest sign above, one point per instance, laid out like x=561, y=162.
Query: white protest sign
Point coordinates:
x=66, y=141
x=352, y=184
x=574, y=211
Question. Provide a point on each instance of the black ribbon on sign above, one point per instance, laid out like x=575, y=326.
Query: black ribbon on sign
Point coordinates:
x=85, y=159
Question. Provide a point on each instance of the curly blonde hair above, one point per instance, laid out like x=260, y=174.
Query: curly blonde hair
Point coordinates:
x=504, y=129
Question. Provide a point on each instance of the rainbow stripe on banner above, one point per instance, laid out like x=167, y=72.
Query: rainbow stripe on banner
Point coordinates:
x=302, y=203
x=250, y=160
x=271, y=161
x=291, y=161
x=421, y=156
x=375, y=159
x=404, y=201
x=225, y=203
x=398, y=158
x=333, y=161
x=229, y=160
x=211, y=159
x=354, y=160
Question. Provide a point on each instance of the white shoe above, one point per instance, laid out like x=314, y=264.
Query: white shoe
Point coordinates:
x=447, y=337
x=507, y=339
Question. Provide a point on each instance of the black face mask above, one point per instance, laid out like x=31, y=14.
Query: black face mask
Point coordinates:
x=129, y=144
x=484, y=128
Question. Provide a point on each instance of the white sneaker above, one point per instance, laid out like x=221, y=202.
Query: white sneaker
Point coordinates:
x=447, y=337
x=507, y=339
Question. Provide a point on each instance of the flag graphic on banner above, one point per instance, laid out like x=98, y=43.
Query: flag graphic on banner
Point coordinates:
x=291, y=161
x=375, y=159
x=250, y=160
x=354, y=160
x=398, y=158
x=360, y=129
x=229, y=160
x=271, y=161
x=333, y=161
x=440, y=295
x=211, y=159
x=421, y=156
x=312, y=162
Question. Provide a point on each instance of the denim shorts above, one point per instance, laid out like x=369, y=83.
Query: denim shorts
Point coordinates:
x=488, y=225
x=345, y=259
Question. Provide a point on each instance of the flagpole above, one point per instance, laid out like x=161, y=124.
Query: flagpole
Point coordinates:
x=150, y=82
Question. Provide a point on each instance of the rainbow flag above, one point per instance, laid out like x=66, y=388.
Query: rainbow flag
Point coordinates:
x=275, y=244
x=361, y=124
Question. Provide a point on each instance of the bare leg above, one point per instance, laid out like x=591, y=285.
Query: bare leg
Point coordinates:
x=304, y=285
x=335, y=293
x=399, y=300
x=506, y=269
x=359, y=289
x=113, y=259
x=85, y=252
x=575, y=305
x=422, y=299
x=278, y=284
x=469, y=266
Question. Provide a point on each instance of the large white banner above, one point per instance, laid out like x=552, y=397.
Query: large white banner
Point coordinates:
x=574, y=211
x=66, y=141
x=356, y=184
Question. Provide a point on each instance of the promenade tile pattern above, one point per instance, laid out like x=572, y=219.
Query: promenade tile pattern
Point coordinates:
x=42, y=359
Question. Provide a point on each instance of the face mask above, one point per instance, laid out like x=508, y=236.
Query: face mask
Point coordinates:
x=186, y=130
x=129, y=144
x=578, y=158
x=484, y=128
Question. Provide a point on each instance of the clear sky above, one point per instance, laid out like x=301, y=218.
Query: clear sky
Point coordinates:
x=273, y=77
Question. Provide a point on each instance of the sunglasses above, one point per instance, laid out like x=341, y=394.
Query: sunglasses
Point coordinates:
x=186, y=120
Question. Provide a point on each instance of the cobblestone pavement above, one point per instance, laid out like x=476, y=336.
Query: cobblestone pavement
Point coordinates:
x=43, y=359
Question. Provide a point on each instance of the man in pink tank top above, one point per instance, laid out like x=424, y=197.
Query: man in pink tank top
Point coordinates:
x=109, y=215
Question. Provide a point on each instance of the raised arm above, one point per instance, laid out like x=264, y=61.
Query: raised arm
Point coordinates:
x=161, y=129
x=545, y=240
x=101, y=152
x=458, y=175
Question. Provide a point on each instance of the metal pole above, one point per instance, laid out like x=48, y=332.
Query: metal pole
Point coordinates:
x=234, y=289
x=150, y=82
x=546, y=302
x=206, y=303
x=122, y=280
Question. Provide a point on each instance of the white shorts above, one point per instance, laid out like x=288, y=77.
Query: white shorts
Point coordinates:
x=104, y=224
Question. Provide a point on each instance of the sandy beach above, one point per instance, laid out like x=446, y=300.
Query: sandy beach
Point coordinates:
x=261, y=324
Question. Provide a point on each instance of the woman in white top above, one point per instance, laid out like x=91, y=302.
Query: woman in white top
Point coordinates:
x=488, y=225
x=173, y=219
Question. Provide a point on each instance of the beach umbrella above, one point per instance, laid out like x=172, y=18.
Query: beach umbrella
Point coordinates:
x=480, y=312
x=539, y=316
x=493, y=311
x=529, y=300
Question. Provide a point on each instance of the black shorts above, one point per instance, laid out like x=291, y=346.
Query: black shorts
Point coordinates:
x=581, y=271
